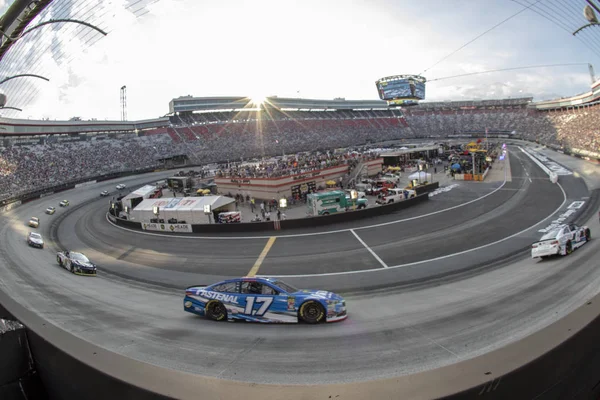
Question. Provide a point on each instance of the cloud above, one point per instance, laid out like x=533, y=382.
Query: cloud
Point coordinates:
x=319, y=49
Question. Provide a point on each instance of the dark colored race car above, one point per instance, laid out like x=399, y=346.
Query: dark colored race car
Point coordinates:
x=76, y=262
x=263, y=300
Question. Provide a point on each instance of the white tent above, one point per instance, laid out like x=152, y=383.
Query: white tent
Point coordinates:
x=421, y=176
x=143, y=192
x=188, y=209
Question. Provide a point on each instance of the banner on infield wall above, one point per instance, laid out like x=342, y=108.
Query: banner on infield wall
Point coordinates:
x=167, y=227
x=88, y=183
x=46, y=194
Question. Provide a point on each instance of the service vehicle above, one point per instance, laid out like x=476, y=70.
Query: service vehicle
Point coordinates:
x=121, y=186
x=35, y=240
x=561, y=240
x=391, y=177
x=104, y=193
x=376, y=191
x=34, y=222
x=261, y=299
x=76, y=262
x=325, y=203
x=395, y=195
x=64, y=203
x=50, y=210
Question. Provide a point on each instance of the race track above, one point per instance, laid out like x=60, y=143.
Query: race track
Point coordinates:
x=134, y=308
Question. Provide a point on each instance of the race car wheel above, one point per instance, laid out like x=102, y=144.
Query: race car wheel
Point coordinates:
x=216, y=311
x=569, y=247
x=311, y=312
x=72, y=269
x=59, y=261
x=588, y=234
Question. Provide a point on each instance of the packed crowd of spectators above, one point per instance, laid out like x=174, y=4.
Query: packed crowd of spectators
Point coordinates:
x=227, y=137
x=573, y=128
x=34, y=167
x=291, y=165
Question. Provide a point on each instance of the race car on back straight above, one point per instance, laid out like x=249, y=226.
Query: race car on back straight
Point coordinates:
x=263, y=300
x=561, y=240
x=76, y=262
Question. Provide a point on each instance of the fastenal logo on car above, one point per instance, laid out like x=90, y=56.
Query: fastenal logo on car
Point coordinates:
x=219, y=296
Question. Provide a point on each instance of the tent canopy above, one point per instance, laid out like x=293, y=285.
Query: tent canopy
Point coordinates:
x=184, y=203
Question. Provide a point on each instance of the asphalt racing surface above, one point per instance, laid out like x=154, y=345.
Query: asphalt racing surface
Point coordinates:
x=511, y=208
x=388, y=333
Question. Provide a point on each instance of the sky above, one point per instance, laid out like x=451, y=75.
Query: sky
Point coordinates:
x=302, y=48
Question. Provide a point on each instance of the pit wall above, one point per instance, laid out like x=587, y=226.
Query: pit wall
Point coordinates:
x=290, y=224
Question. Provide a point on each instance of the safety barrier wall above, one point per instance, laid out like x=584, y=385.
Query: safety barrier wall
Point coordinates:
x=430, y=187
x=18, y=376
x=309, y=222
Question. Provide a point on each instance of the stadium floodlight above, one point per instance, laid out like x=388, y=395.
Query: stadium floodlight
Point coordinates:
x=590, y=16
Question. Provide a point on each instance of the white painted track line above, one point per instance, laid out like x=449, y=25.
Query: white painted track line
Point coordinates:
x=369, y=249
x=432, y=259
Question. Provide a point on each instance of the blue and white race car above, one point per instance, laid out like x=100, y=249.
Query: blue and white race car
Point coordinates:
x=263, y=300
x=561, y=240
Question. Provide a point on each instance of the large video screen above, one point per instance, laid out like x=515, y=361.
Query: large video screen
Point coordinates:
x=401, y=89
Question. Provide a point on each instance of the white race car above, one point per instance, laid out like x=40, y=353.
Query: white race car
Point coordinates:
x=561, y=240
x=35, y=240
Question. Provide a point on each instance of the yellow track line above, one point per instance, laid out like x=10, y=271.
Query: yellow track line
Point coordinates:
x=262, y=256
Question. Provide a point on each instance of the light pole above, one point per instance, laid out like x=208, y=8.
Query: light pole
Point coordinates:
x=156, y=212
x=283, y=205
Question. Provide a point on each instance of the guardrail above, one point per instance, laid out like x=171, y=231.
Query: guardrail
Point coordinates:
x=289, y=224
x=553, y=176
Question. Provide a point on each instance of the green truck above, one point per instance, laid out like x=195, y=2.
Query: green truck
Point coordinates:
x=326, y=203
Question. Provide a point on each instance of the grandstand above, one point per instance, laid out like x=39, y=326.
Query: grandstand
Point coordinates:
x=35, y=154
